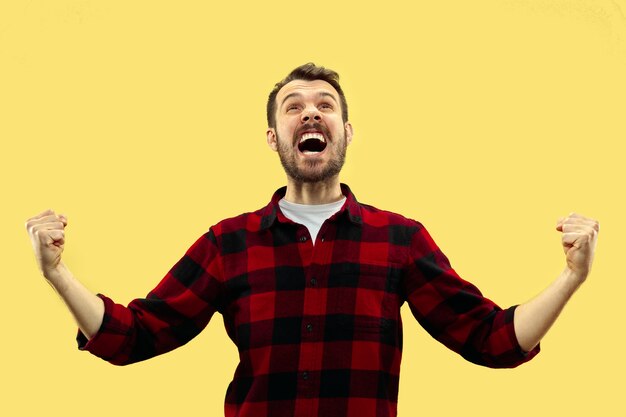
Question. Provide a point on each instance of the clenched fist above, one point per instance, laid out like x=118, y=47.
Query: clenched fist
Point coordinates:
x=47, y=235
x=579, y=238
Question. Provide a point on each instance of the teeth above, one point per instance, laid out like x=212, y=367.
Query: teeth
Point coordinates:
x=312, y=136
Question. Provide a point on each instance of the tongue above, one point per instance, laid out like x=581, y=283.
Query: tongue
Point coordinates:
x=312, y=145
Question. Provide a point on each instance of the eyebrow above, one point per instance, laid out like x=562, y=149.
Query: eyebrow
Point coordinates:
x=320, y=94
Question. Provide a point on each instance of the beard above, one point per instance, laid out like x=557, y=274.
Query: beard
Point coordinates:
x=311, y=172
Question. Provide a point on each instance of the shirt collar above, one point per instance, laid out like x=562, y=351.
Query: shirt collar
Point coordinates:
x=352, y=207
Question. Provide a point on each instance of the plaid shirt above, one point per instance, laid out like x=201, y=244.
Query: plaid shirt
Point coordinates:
x=317, y=327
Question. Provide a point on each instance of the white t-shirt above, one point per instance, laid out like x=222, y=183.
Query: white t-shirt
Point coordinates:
x=311, y=216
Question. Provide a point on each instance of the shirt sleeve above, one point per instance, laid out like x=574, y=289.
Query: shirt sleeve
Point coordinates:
x=454, y=311
x=173, y=313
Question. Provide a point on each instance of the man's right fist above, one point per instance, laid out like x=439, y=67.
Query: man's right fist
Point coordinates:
x=47, y=234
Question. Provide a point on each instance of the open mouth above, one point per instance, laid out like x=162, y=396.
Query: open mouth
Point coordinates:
x=312, y=143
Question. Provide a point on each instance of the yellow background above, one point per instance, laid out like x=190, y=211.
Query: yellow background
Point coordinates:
x=144, y=122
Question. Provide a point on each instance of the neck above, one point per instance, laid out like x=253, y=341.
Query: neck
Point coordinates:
x=313, y=192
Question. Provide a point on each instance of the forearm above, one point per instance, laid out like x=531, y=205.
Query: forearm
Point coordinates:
x=534, y=318
x=87, y=308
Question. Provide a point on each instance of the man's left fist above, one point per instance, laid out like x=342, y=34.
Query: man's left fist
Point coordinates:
x=579, y=238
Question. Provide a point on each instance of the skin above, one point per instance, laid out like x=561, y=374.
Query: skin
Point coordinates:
x=534, y=318
x=47, y=235
x=300, y=105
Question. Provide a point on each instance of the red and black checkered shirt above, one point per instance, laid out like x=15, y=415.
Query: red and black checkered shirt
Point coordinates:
x=317, y=327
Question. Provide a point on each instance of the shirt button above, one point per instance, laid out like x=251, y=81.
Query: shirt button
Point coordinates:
x=313, y=282
x=302, y=238
x=309, y=327
x=322, y=238
x=305, y=375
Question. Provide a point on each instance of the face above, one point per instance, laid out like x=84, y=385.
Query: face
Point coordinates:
x=310, y=135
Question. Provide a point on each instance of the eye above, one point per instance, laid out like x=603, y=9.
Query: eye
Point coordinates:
x=326, y=106
x=291, y=107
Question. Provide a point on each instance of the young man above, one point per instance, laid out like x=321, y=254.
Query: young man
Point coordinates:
x=311, y=285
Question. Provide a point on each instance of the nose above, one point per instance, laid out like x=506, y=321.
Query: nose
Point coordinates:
x=311, y=114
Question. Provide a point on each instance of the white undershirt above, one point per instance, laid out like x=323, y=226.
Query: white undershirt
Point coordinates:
x=311, y=216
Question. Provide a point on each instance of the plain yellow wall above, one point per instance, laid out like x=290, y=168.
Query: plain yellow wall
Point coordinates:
x=144, y=123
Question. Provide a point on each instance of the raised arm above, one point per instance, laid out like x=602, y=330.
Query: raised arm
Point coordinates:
x=47, y=235
x=534, y=318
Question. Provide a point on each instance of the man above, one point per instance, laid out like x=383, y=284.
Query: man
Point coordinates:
x=311, y=285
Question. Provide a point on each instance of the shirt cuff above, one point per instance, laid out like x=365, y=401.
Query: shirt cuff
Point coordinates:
x=523, y=355
x=100, y=344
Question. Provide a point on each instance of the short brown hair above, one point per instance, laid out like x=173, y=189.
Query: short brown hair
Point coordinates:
x=306, y=72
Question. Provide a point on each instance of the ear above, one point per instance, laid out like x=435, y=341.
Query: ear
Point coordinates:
x=349, y=132
x=271, y=138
